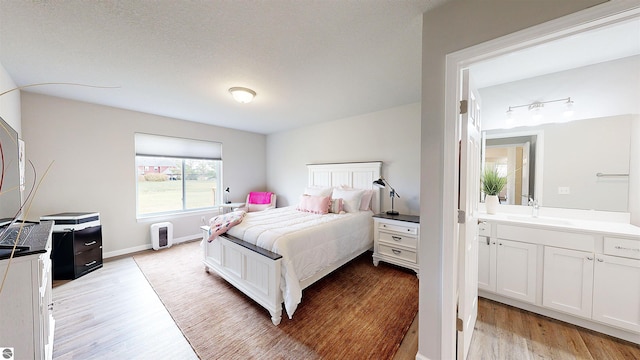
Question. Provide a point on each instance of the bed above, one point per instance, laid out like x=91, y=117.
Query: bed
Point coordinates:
x=273, y=255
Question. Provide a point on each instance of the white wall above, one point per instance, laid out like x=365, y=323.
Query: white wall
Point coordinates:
x=91, y=149
x=391, y=136
x=10, y=102
x=606, y=89
x=455, y=25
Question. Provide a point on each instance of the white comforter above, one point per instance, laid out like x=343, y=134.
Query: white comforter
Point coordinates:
x=307, y=242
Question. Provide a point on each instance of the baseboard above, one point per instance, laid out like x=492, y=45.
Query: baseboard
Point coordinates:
x=136, y=249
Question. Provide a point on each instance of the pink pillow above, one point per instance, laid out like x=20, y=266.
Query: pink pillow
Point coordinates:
x=314, y=204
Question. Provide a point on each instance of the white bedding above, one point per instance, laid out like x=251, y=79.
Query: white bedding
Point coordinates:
x=307, y=242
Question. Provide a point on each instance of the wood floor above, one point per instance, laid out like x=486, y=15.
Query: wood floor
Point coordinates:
x=113, y=313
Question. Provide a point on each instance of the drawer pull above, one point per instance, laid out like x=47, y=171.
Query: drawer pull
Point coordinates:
x=589, y=258
x=396, y=238
x=91, y=263
x=397, y=252
x=600, y=260
x=90, y=243
x=626, y=248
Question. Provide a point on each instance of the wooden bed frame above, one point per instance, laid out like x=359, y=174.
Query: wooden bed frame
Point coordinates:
x=256, y=271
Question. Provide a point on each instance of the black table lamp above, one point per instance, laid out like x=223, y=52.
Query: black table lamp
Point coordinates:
x=382, y=183
x=227, y=196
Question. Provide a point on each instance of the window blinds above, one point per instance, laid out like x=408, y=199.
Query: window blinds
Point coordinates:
x=167, y=146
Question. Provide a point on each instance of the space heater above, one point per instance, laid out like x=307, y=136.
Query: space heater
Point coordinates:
x=161, y=235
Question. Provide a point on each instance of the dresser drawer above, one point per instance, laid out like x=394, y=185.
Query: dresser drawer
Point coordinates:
x=398, y=253
x=87, y=239
x=399, y=239
x=87, y=261
x=399, y=228
x=622, y=247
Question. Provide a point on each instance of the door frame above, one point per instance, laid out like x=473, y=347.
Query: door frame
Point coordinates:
x=605, y=14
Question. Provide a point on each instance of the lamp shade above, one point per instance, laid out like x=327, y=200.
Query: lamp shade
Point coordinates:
x=379, y=183
x=242, y=95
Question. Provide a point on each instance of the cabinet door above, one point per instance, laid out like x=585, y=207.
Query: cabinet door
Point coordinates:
x=568, y=281
x=616, y=292
x=486, y=264
x=516, y=270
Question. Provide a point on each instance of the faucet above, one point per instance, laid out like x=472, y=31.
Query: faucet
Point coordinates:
x=536, y=207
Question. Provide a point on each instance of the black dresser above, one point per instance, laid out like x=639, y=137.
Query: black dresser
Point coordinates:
x=77, y=244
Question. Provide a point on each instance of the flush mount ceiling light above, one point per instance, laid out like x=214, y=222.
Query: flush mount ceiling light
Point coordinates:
x=535, y=109
x=242, y=95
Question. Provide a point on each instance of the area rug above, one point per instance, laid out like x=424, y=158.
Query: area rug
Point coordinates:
x=358, y=312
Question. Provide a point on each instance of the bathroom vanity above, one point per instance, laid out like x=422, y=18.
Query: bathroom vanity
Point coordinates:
x=583, y=272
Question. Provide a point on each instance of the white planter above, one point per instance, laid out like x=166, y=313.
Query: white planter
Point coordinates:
x=491, y=203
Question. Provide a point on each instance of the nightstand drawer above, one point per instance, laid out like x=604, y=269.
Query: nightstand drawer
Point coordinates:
x=399, y=229
x=400, y=239
x=399, y=253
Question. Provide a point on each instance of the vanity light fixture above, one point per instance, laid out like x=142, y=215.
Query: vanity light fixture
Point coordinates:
x=535, y=108
x=242, y=95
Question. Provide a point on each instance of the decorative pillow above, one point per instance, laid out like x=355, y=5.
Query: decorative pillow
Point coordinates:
x=336, y=206
x=350, y=199
x=318, y=191
x=365, y=203
x=314, y=204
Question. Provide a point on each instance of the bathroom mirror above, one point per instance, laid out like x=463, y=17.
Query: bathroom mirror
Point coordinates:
x=575, y=165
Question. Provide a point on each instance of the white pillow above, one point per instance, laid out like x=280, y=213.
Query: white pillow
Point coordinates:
x=318, y=191
x=365, y=204
x=350, y=199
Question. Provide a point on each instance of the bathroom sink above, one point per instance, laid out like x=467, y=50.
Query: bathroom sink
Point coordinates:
x=540, y=220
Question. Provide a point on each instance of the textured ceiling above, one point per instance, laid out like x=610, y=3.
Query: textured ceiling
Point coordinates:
x=309, y=61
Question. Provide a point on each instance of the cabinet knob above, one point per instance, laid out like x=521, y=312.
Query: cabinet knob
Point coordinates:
x=589, y=258
x=600, y=260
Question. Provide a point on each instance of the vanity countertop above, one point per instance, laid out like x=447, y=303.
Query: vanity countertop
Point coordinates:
x=607, y=228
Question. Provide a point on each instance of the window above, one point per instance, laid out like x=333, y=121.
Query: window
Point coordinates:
x=176, y=175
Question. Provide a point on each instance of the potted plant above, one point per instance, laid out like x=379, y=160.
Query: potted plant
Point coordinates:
x=492, y=185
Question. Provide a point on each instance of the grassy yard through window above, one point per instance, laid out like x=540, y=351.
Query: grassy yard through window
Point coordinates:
x=163, y=196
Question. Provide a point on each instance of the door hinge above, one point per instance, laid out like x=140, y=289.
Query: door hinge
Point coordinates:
x=459, y=324
x=464, y=107
x=462, y=216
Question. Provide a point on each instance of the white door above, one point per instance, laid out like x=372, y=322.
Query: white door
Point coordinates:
x=470, y=145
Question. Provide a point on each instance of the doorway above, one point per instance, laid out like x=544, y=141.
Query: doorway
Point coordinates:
x=464, y=59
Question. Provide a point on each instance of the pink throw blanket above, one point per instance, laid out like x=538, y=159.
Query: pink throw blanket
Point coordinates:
x=221, y=223
x=259, y=198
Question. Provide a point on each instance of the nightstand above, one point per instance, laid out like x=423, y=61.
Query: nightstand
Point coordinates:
x=395, y=240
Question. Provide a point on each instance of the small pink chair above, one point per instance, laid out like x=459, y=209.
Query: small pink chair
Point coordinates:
x=259, y=201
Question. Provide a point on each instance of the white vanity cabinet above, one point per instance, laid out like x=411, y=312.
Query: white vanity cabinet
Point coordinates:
x=568, y=280
x=616, y=296
x=575, y=275
x=506, y=267
x=486, y=258
x=517, y=271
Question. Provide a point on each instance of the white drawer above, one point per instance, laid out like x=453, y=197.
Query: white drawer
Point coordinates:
x=406, y=255
x=399, y=228
x=399, y=239
x=622, y=247
x=484, y=228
